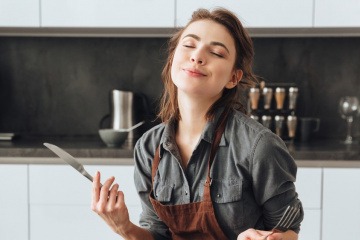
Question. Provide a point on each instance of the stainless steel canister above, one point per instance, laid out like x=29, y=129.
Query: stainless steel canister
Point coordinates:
x=121, y=109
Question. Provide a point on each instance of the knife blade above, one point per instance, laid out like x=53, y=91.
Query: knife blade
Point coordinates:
x=69, y=159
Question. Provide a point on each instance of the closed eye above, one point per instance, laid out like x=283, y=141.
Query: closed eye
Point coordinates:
x=217, y=54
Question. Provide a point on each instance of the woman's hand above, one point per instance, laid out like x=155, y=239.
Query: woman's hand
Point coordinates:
x=253, y=234
x=108, y=203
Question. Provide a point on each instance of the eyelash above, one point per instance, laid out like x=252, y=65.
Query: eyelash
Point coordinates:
x=214, y=53
x=218, y=55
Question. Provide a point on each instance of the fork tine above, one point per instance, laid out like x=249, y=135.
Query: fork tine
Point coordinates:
x=289, y=215
x=283, y=217
x=287, y=218
x=292, y=218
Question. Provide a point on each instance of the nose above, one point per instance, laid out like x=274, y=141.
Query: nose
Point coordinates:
x=198, y=57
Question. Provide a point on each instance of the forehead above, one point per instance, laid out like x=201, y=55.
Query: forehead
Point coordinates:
x=210, y=31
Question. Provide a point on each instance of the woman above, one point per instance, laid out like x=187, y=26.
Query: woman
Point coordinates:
x=208, y=171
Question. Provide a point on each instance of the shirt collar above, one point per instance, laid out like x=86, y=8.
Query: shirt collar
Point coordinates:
x=168, y=142
x=209, y=130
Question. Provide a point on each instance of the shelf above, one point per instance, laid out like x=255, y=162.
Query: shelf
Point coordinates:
x=166, y=32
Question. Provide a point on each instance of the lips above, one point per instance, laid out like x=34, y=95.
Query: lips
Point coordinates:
x=194, y=72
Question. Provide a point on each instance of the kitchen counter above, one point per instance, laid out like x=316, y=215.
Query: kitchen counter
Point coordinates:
x=90, y=150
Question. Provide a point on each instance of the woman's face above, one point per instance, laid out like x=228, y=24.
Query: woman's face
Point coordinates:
x=204, y=58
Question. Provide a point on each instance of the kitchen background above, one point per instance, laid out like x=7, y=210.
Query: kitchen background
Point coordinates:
x=59, y=86
x=60, y=59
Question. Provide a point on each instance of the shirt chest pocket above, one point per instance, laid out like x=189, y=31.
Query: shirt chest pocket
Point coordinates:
x=226, y=191
x=227, y=197
x=163, y=191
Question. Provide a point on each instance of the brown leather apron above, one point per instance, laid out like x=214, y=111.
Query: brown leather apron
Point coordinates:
x=193, y=220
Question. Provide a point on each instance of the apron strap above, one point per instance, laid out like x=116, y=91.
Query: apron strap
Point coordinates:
x=155, y=165
x=219, y=130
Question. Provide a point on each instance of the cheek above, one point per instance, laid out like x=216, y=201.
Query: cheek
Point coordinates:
x=172, y=73
x=176, y=64
x=224, y=72
x=178, y=56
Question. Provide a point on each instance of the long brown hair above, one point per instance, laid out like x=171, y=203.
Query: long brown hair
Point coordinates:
x=244, y=59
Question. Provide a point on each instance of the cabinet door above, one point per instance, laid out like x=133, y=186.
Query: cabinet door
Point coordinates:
x=19, y=13
x=110, y=13
x=334, y=13
x=255, y=13
x=13, y=202
x=341, y=209
x=309, y=187
x=311, y=226
x=60, y=202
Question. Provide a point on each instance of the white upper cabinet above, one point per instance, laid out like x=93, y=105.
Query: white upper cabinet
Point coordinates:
x=335, y=13
x=255, y=13
x=110, y=13
x=19, y=13
x=160, y=15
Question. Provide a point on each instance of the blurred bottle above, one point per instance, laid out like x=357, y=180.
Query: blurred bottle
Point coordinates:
x=267, y=93
x=254, y=96
x=280, y=97
x=293, y=95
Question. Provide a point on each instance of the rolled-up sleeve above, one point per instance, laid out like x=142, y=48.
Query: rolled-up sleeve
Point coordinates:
x=142, y=177
x=274, y=172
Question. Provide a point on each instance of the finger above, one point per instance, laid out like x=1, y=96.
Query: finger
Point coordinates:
x=265, y=235
x=113, y=195
x=274, y=236
x=104, y=192
x=96, y=188
x=120, y=202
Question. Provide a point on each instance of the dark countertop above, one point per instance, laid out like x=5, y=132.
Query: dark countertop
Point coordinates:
x=80, y=147
x=92, y=151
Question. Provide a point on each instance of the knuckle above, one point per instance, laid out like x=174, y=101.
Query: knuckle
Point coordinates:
x=100, y=209
x=110, y=209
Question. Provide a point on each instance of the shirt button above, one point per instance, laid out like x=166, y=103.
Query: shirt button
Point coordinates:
x=186, y=193
x=218, y=195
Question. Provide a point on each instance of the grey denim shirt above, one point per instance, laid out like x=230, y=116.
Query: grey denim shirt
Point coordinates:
x=252, y=176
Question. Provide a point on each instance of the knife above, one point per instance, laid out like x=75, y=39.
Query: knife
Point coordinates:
x=69, y=159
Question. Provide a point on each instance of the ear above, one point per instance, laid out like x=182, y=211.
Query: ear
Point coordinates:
x=235, y=79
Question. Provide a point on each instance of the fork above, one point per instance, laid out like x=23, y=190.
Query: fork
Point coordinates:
x=286, y=220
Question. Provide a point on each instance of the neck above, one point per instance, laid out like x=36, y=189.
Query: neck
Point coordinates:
x=189, y=129
x=193, y=116
x=190, y=126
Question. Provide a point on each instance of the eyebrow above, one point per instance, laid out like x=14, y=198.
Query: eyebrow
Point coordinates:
x=196, y=37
